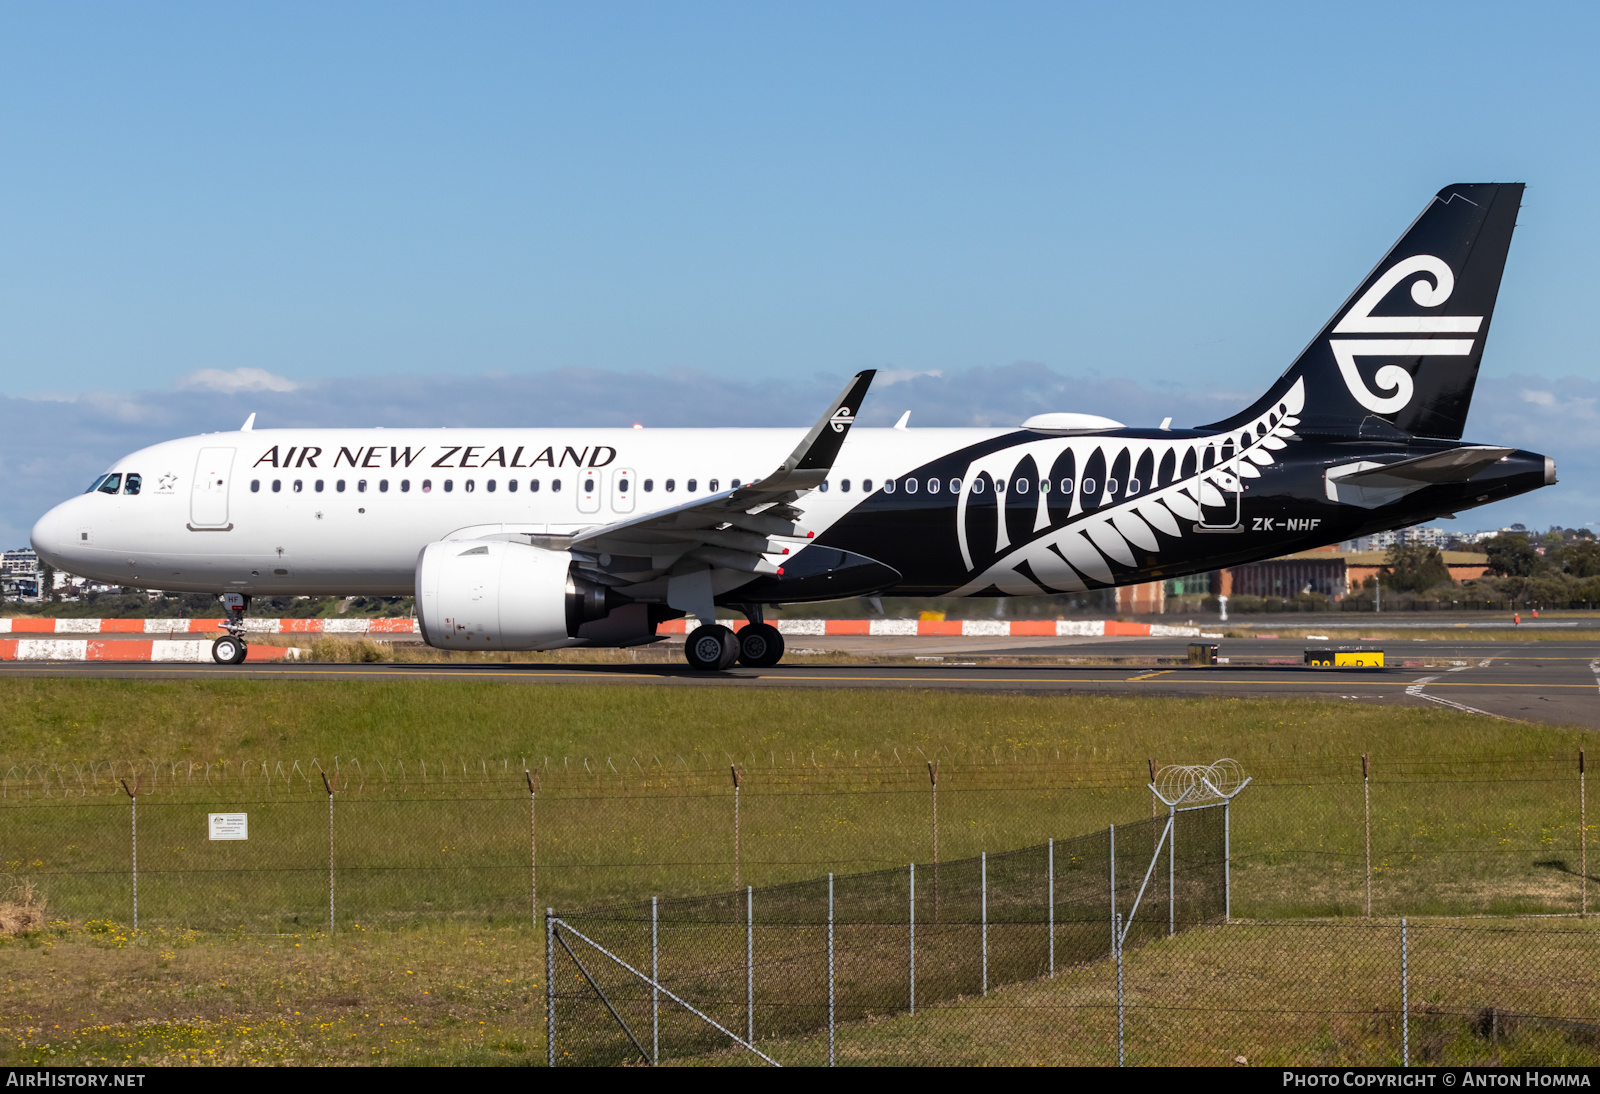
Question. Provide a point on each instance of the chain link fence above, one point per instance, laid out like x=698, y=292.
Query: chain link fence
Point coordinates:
x=475, y=839
x=656, y=980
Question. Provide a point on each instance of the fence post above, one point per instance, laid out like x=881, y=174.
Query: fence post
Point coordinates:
x=655, y=986
x=983, y=885
x=1405, y=999
x=1113, y=831
x=1050, y=898
x=533, y=842
x=329, y=787
x=550, y=989
x=913, y=938
x=1366, y=795
x=1227, y=861
x=735, y=769
x=933, y=779
x=830, y=970
x=1116, y=948
x=1172, y=857
x=133, y=798
x=750, y=964
x=1583, y=841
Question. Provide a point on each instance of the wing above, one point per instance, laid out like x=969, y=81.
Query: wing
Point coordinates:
x=738, y=532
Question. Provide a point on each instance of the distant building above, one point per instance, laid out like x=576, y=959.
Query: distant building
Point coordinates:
x=22, y=560
x=1405, y=537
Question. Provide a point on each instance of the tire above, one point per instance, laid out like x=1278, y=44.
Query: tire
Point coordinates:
x=228, y=650
x=711, y=648
x=760, y=646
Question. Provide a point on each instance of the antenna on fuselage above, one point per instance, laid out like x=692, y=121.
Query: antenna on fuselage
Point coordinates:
x=904, y=419
x=249, y=423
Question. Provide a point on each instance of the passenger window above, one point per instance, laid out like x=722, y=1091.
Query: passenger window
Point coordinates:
x=132, y=484
x=361, y=486
x=588, y=486
x=888, y=486
x=339, y=486
x=255, y=486
x=298, y=486
x=844, y=486
x=111, y=484
x=866, y=486
x=712, y=485
x=427, y=486
x=383, y=486
x=277, y=486
x=911, y=486
x=692, y=484
x=471, y=485
x=318, y=486
x=622, y=486
x=405, y=486
x=555, y=486
x=511, y=485
x=1066, y=486
x=489, y=486
x=736, y=484
x=449, y=485
x=824, y=486
x=533, y=485
x=672, y=484
x=649, y=486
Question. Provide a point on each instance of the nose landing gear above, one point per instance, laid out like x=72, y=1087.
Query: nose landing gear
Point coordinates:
x=231, y=649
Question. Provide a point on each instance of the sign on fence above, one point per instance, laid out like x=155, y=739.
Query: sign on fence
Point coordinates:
x=230, y=826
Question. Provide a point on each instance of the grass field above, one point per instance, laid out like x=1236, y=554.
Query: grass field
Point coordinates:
x=1470, y=816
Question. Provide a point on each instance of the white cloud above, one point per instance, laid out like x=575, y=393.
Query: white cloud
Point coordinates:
x=1538, y=398
x=236, y=381
x=889, y=376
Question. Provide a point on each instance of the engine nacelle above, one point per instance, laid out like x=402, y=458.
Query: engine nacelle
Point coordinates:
x=499, y=595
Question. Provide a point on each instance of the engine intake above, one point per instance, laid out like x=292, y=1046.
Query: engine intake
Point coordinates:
x=495, y=594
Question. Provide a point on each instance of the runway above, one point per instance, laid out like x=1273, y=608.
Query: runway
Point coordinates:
x=1548, y=681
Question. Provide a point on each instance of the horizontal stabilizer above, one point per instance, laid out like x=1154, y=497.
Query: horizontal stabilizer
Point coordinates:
x=1455, y=465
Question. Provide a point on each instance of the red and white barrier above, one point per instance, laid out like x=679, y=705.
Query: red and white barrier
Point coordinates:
x=961, y=628
x=123, y=649
x=35, y=625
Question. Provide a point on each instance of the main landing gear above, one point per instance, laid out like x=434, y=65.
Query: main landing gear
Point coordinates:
x=230, y=649
x=713, y=648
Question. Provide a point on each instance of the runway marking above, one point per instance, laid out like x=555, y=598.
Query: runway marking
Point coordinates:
x=1150, y=675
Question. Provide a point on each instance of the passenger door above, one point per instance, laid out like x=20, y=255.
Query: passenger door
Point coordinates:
x=208, y=496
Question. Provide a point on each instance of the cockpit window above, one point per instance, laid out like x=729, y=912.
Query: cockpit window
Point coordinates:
x=110, y=483
x=95, y=485
x=131, y=486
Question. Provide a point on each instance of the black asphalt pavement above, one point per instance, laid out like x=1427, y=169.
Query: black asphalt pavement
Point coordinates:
x=1549, y=681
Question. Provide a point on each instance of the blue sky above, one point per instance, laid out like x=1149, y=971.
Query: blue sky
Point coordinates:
x=731, y=205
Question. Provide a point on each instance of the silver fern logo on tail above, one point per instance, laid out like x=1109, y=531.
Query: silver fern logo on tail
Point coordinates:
x=1109, y=519
x=1360, y=320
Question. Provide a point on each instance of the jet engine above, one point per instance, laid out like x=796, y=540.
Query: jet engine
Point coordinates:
x=499, y=595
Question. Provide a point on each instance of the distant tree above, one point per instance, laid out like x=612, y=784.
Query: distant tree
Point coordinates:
x=1512, y=556
x=1581, y=558
x=1416, y=569
x=47, y=581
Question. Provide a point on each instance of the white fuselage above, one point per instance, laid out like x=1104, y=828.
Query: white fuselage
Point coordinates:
x=346, y=511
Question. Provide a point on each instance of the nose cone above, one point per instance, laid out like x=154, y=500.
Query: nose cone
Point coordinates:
x=52, y=536
x=1549, y=471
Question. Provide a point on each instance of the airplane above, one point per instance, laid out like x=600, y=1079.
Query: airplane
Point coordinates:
x=539, y=539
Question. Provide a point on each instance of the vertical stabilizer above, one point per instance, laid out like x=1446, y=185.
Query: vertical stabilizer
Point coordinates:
x=1402, y=354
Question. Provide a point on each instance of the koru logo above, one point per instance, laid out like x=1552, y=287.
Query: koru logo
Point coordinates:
x=1360, y=320
x=841, y=419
